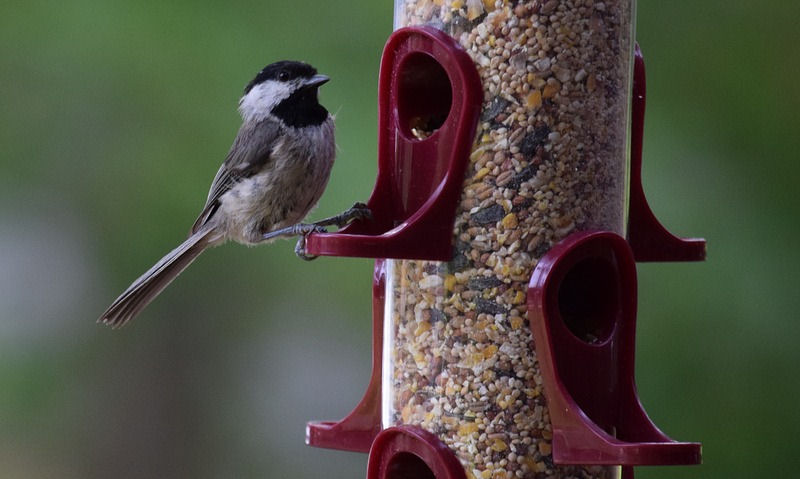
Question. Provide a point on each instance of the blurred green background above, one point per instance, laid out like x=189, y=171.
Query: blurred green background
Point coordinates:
x=114, y=117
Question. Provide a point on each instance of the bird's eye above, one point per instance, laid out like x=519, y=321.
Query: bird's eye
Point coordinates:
x=283, y=76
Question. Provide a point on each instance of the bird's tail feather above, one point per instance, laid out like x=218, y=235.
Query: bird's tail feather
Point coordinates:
x=142, y=291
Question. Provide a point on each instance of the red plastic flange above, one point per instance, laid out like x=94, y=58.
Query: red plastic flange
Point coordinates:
x=582, y=310
x=428, y=86
x=648, y=238
x=358, y=430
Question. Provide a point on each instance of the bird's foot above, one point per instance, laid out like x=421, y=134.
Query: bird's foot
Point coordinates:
x=358, y=211
x=299, y=229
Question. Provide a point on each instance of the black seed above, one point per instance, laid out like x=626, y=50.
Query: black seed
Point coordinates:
x=506, y=373
x=533, y=140
x=484, y=282
x=438, y=315
x=523, y=205
x=491, y=214
x=541, y=250
x=496, y=106
x=459, y=261
x=526, y=174
x=488, y=307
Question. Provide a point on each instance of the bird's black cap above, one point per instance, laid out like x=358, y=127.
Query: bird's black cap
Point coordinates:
x=285, y=70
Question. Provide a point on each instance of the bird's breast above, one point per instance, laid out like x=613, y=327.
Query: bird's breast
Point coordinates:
x=284, y=191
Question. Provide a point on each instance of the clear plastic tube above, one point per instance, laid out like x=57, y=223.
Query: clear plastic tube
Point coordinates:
x=550, y=158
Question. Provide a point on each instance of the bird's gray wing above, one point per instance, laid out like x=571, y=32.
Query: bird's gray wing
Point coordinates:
x=249, y=154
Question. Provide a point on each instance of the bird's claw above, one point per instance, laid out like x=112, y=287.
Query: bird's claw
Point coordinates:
x=300, y=247
x=359, y=211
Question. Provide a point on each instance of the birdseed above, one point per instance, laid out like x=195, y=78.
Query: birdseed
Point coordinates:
x=549, y=159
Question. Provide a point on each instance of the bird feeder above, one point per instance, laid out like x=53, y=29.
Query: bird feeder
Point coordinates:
x=508, y=215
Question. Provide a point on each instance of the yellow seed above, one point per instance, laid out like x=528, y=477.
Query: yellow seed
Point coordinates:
x=448, y=420
x=519, y=298
x=499, y=446
x=510, y=221
x=477, y=153
x=534, y=100
x=419, y=358
x=449, y=282
x=489, y=5
x=406, y=413
x=530, y=462
x=474, y=10
x=489, y=351
x=467, y=428
x=486, y=474
x=545, y=449
x=516, y=322
x=422, y=327
x=550, y=90
x=481, y=173
x=457, y=4
x=475, y=359
x=532, y=392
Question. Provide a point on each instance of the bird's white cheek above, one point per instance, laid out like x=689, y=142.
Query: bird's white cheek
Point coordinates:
x=260, y=100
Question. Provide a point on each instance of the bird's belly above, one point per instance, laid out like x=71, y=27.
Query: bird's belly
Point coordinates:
x=269, y=201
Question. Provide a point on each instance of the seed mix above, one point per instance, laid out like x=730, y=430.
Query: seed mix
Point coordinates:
x=549, y=159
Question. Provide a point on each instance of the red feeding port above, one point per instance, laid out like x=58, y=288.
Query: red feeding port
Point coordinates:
x=429, y=102
x=582, y=310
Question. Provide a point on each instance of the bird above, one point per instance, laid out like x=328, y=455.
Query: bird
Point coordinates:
x=274, y=174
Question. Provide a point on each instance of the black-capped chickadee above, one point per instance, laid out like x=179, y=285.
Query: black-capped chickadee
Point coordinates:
x=274, y=174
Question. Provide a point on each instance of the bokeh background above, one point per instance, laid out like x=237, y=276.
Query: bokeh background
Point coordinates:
x=114, y=117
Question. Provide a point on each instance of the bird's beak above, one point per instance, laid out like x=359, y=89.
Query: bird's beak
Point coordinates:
x=316, y=81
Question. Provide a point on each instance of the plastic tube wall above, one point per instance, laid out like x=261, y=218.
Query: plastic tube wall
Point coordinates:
x=550, y=157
